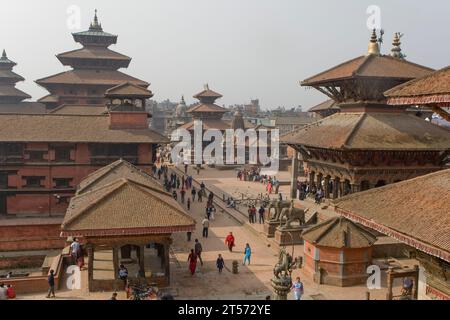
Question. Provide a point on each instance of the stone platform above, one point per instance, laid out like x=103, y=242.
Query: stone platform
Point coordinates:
x=286, y=237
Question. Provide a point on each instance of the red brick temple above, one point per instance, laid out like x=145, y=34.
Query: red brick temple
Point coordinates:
x=414, y=212
x=94, y=70
x=337, y=252
x=368, y=143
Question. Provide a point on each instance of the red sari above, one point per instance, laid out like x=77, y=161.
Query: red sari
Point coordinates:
x=192, y=262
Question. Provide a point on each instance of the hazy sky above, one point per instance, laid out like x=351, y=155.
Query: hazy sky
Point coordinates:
x=243, y=48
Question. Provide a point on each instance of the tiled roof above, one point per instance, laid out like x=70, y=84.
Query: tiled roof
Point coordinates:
x=294, y=120
x=415, y=211
x=94, y=53
x=73, y=109
x=207, y=93
x=432, y=88
x=207, y=107
x=214, y=124
x=371, y=131
x=49, y=98
x=23, y=108
x=10, y=91
x=326, y=105
x=116, y=170
x=124, y=207
x=94, y=77
x=70, y=128
x=128, y=89
x=379, y=66
x=339, y=232
x=8, y=74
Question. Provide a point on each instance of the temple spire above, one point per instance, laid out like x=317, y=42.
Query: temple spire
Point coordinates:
x=95, y=25
x=4, y=54
x=396, y=50
x=374, y=48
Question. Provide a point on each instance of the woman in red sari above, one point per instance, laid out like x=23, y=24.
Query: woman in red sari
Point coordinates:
x=229, y=241
x=192, y=262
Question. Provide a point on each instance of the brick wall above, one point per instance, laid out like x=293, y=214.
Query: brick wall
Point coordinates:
x=31, y=237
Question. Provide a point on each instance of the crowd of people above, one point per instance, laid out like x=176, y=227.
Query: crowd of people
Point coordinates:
x=254, y=174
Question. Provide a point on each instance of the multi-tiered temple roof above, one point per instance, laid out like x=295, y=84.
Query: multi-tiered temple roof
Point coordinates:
x=8, y=79
x=368, y=141
x=94, y=70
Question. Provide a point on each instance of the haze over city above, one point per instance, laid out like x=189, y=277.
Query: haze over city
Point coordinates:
x=244, y=49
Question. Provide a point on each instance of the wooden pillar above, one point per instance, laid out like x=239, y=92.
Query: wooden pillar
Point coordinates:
x=327, y=187
x=141, y=259
x=335, y=187
x=311, y=180
x=115, y=251
x=167, y=262
x=319, y=181
x=294, y=175
x=90, y=250
x=415, y=290
x=390, y=280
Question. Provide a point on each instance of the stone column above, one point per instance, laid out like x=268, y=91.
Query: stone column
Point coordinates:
x=294, y=175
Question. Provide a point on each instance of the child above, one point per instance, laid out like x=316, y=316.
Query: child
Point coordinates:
x=220, y=263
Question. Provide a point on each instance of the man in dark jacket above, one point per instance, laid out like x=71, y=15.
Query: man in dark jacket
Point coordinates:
x=51, y=284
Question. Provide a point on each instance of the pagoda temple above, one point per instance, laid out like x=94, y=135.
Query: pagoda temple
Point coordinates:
x=94, y=70
x=8, y=79
x=368, y=143
x=11, y=98
x=211, y=116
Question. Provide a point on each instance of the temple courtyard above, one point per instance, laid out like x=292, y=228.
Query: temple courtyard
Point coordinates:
x=252, y=281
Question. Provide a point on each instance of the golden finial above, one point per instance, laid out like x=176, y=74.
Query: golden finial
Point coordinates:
x=373, y=44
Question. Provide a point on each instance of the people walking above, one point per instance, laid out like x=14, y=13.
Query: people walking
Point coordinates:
x=247, y=254
x=192, y=259
x=297, y=288
x=220, y=263
x=205, y=224
x=51, y=284
x=253, y=214
x=198, y=250
x=261, y=212
x=182, y=194
x=193, y=193
x=229, y=241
